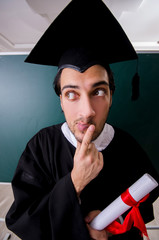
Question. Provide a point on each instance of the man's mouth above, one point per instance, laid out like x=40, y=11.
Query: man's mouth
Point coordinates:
x=82, y=127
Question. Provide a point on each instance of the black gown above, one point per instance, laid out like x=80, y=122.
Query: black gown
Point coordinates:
x=46, y=205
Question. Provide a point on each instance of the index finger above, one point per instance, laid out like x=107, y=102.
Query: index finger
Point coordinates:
x=87, y=137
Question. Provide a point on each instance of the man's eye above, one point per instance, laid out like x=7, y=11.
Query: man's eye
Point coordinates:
x=100, y=92
x=71, y=95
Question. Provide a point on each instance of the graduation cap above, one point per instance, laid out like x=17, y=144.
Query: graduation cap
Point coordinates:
x=83, y=24
x=85, y=33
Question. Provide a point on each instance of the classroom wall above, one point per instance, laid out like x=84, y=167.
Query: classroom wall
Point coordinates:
x=28, y=103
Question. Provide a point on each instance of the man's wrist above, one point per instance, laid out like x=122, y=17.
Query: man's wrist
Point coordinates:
x=77, y=184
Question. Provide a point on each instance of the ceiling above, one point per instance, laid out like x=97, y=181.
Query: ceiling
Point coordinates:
x=22, y=22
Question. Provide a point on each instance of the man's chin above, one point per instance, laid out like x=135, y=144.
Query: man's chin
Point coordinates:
x=79, y=137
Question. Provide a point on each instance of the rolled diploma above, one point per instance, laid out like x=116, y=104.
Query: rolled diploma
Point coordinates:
x=138, y=190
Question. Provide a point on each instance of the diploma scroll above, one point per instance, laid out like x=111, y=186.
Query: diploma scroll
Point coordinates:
x=138, y=190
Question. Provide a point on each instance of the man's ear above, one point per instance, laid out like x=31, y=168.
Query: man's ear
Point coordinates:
x=61, y=102
x=111, y=98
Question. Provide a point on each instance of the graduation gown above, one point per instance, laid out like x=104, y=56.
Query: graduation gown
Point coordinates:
x=46, y=205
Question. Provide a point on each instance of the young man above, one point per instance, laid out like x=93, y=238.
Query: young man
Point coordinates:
x=70, y=172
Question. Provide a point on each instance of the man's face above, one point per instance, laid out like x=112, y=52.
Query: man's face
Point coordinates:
x=85, y=99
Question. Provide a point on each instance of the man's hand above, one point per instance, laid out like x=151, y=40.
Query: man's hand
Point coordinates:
x=95, y=234
x=88, y=162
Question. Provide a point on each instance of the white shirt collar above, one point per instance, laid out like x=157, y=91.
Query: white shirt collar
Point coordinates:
x=101, y=142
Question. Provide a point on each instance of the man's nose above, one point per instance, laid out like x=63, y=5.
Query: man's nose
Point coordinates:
x=87, y=110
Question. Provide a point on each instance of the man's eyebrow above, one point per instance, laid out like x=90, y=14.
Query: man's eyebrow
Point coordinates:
x=100, y=83
x=70, y=86
x=93, y=86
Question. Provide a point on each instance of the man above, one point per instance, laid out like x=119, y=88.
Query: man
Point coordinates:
x=70, y=172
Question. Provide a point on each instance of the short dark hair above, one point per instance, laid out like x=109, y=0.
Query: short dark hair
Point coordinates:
x=57, y=86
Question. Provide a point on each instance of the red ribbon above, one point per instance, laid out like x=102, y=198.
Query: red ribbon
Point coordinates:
x=133, y=217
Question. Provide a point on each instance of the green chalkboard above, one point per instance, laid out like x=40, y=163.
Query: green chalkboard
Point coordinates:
x=28, y=103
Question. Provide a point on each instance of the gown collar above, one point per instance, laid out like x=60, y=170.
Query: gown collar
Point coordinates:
x=102, y=141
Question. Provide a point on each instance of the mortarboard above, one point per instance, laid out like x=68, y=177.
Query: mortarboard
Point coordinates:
x=85, y=32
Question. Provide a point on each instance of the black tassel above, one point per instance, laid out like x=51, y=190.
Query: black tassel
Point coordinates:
x=135, y=87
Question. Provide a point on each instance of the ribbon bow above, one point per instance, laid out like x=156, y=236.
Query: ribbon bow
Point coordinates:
x=133, y=217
